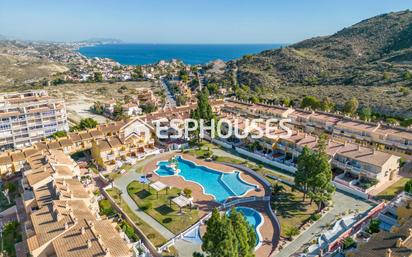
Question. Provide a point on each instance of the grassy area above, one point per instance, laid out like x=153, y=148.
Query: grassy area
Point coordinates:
x=11, y=235
x=156, y=238
x=254, y=165
x=160, y=209
x=13, y=193
x=126, y=167
x=290, y=209
x=393, y=190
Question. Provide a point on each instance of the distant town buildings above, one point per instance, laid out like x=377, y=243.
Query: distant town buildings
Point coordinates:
x=28, y=117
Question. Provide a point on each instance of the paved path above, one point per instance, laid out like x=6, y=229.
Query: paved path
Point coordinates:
x=342, y=203
x=122, y=183
x=185, y=249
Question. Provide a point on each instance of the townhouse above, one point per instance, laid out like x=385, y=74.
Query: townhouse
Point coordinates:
x=125, y=140
x=351, y=160
x=390, y=138
x=62, y=213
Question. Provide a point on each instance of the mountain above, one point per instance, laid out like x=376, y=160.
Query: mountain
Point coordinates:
x=373, y=52
x=102, y=41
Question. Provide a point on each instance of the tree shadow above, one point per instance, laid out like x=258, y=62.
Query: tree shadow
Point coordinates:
x=164, y=209
x=287, y=206
x=142, y=194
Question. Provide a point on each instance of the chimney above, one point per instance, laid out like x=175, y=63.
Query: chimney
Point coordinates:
x=388, y=253
x=399, y=242
x=82, y=231
x=107, y=252
x=66, y=226
x=89, y=243
x=99, y=238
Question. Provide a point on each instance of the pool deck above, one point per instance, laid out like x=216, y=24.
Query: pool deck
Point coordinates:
x=206, y=202
x=266, y=230
x=267, y=248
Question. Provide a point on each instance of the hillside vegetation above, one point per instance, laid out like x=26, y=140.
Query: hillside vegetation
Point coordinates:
x=376, y=52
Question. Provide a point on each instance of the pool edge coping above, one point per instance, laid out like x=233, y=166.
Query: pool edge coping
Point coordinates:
x=203, y=189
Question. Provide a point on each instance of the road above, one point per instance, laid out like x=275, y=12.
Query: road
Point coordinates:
x=170, y=101
x=342, y=203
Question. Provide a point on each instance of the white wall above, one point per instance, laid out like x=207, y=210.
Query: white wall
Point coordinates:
x=351, y=190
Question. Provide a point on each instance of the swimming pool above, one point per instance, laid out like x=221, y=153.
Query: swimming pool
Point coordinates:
x=255, y=219
x=215, y=183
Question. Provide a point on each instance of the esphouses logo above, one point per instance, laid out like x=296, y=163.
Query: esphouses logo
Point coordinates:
x=223, y=128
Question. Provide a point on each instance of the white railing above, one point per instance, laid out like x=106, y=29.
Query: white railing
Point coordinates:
x=245, y=200
x=181, y=235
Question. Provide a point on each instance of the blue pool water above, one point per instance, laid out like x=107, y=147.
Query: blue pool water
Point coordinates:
x=218, y=184
x=254, y=218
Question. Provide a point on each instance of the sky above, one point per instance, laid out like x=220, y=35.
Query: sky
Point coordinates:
x=186, y=21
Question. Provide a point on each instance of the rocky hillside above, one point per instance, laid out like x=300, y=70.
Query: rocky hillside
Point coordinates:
x=373, y=52
x=371, y=60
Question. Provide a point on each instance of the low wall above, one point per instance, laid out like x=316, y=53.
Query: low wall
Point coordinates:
x=252, y=155
x=350, y=190
x=265, y=160
x=218, y=142
x=142, y=236
x=356, y=227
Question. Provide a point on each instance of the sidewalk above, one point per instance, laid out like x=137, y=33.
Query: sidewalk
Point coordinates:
x=121, y=183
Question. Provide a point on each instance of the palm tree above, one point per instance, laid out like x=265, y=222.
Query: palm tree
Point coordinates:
x=277, y=189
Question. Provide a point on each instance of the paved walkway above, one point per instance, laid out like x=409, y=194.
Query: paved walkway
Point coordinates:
x=122, y=183
x=342, y=204
x=185, y=249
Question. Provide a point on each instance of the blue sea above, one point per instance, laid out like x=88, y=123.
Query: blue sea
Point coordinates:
x=139, y=54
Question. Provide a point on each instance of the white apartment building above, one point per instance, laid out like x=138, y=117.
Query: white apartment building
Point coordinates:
x=29, y=116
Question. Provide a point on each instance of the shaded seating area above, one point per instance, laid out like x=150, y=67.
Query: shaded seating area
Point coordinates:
x=158, y=186
x=181, y=201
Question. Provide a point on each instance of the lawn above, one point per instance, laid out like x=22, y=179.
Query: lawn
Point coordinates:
x=160, y=209
x=156, y=238
x=393, y=190
x=254, y=165
x=11, y=235
x=290, y=209
x=13, y=193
